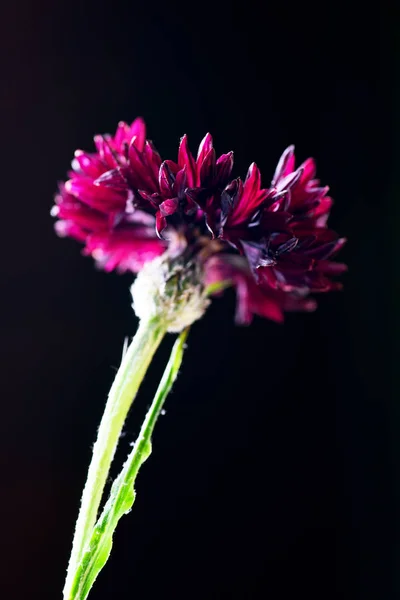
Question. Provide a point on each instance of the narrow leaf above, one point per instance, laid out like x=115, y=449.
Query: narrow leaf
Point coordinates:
x=122, y=495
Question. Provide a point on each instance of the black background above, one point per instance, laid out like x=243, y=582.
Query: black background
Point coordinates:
x=275, y=470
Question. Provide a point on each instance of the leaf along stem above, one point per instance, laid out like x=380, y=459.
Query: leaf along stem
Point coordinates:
x=122, y=493
x=130, y=374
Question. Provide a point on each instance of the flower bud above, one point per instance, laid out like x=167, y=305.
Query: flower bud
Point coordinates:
x=170, y=290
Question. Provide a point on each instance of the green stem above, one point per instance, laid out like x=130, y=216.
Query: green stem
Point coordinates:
x=122, y=493
x=123, y=391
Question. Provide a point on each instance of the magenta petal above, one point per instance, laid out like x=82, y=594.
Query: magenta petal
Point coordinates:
x=103, y=144
x=285, y=165
x=331, y=268
x=288, y=182
x=323, y=251
x=70, y=229
x=114, y=178
x=166, y=179
x=141, y=174
x=180, y=184
x=185, y=159
x=251, y=297
x=152, y=158
x=122, y=251
x=161, y=224
x=206, y=145
x=224, y=168
x=122, y=135
x=207, y=169
x=84, y=217
x=248, y=199
x=169, y=207
x=138, y=133
x=321, y=212
x=309, y=170
x=102, y=198
x=253, y=180
x=153, y=199
x=88, y=164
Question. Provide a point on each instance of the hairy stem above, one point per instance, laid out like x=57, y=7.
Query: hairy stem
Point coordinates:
x=122, y=493
x=123, y=391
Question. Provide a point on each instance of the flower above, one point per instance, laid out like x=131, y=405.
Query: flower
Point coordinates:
x=272, y=244
x=282, y=230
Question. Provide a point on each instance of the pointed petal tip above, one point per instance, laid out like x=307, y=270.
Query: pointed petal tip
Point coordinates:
x=139, y=122
x=252, y=170
x=340, y=243
x=287, y=154
x=205, y=146
x=253, y=174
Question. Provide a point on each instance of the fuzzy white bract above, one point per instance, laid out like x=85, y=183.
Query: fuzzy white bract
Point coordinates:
x=171, y=293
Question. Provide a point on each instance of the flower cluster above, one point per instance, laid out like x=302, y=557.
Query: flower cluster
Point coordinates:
x=128, y=207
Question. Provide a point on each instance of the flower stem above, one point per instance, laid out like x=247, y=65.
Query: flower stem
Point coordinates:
x=122, y=493
x=123, y=391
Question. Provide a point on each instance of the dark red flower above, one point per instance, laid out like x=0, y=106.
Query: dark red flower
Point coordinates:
x=282, y=230
x=128, y=207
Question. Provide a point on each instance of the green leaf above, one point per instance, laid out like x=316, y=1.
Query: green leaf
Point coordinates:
x=133, y=368
x=122, y=495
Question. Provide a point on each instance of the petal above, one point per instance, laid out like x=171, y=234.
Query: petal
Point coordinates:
x=99, y=197
x=288, y=182
x=207, y=169
x=70, y=229
x=138, y=133
x=229, y=198
x=114, y=179
x=206, y=145
x=224, y=168
x=331, y=268
x=249, y=199
x=309, y=170
x=185, y=159
x=122, y=135
x=103, y=145
x=153, y=199
x=123, y=250
x=166, y=179
x=152, y=158
x=161, y=223
x=285, y=165
x=89, y=165
x=251, y=298
x=84, y=217
x=141, y=174
x=180, y=184
x=169, y=207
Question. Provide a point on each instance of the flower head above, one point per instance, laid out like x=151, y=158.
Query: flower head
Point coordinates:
x=128, y=207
